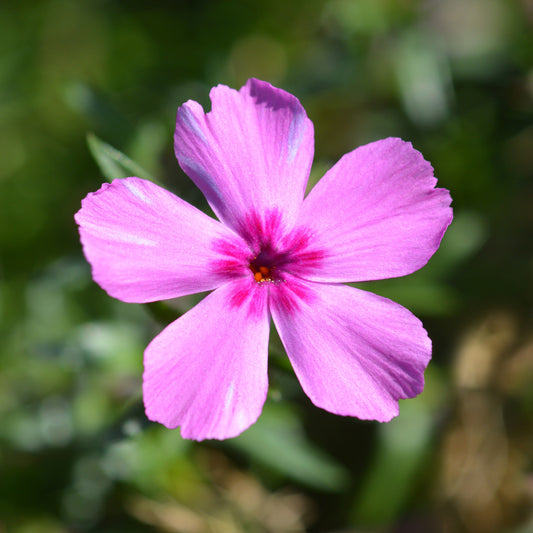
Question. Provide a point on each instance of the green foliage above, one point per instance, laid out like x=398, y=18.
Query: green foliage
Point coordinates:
x=278, y=443
x=113, y=163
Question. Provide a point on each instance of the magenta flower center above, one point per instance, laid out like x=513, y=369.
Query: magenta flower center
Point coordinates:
x=273, y=252
x=261, y=272
x=265, y=266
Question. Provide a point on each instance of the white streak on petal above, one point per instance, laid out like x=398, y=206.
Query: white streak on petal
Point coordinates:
x=296, y=133
x=187, y=115
x=118, y=235
x=130, y=185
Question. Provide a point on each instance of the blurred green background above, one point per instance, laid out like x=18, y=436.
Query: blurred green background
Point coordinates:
x=77, y=454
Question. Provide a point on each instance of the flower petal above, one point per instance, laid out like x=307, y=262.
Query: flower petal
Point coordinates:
x=377, y=214
x=251, y=153
x=207, y=371
x=355, y=353
x=146, y=244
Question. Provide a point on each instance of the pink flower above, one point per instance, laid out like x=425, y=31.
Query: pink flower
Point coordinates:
x=271, y=254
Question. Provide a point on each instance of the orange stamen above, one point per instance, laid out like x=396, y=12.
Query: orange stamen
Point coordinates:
x=265, y=271
x=261, y=273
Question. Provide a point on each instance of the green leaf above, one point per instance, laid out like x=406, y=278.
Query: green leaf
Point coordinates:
x=277, y=441
x=404, y=445
x=113, y=163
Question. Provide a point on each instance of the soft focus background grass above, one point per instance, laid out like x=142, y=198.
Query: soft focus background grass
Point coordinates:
x=77, y=454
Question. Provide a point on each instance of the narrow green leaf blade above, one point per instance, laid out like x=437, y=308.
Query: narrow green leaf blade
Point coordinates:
x=278, y=442
x=113, y=163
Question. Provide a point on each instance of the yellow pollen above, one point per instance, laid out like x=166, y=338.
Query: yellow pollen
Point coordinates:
x=261, y=273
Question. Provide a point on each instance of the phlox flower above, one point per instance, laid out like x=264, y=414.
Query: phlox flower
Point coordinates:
x=272, y=254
